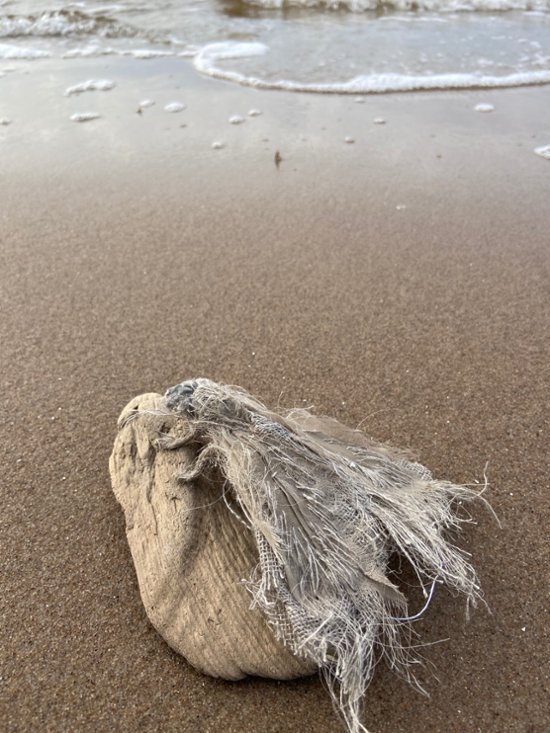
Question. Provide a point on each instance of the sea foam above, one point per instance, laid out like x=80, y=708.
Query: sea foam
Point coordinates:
x=207, y=61
x=85, y=116
x=174, y=107
x=9, y=51
x=91, y=85
x=543, y=151
x=64, y=22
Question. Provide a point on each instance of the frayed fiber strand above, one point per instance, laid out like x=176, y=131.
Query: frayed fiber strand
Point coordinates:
x=328, y=508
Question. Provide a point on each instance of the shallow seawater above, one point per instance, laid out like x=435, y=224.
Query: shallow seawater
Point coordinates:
x=358, y=46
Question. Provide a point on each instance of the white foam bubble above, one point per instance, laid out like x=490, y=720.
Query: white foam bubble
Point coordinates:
x=379, y=121
x=146, y=53
x=9, y=51
x=174, y=107
x=217, y=145
x=4, y=122
x=543, y=151
x=146, y=103
x=349, y=140
x=254, y=112
x=84, y=116
x=91, y=85
x=484, y=107
x=236, y=120
x=359, y=100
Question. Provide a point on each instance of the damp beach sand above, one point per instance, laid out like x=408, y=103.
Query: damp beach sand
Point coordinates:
x=402, y=282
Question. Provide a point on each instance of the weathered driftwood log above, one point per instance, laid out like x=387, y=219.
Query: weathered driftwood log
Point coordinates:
x=191, y=553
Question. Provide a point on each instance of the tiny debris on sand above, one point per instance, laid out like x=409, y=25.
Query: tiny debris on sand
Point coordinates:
x=4, y=122
x=254, y=112
x=349, y=140
x=146, y=103
x=217, y=145
x=236, y=120
x=359, y=100
x=379, y=121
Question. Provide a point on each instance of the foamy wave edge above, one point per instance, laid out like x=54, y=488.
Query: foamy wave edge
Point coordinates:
x=205, y=62
x=64, y=22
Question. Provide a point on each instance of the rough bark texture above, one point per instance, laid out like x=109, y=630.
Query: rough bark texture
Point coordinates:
x=191, y=554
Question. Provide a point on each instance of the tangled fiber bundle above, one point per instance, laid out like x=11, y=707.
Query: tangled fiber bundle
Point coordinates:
x=327, y=508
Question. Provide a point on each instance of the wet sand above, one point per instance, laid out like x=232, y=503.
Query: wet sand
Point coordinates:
x=401, y=281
